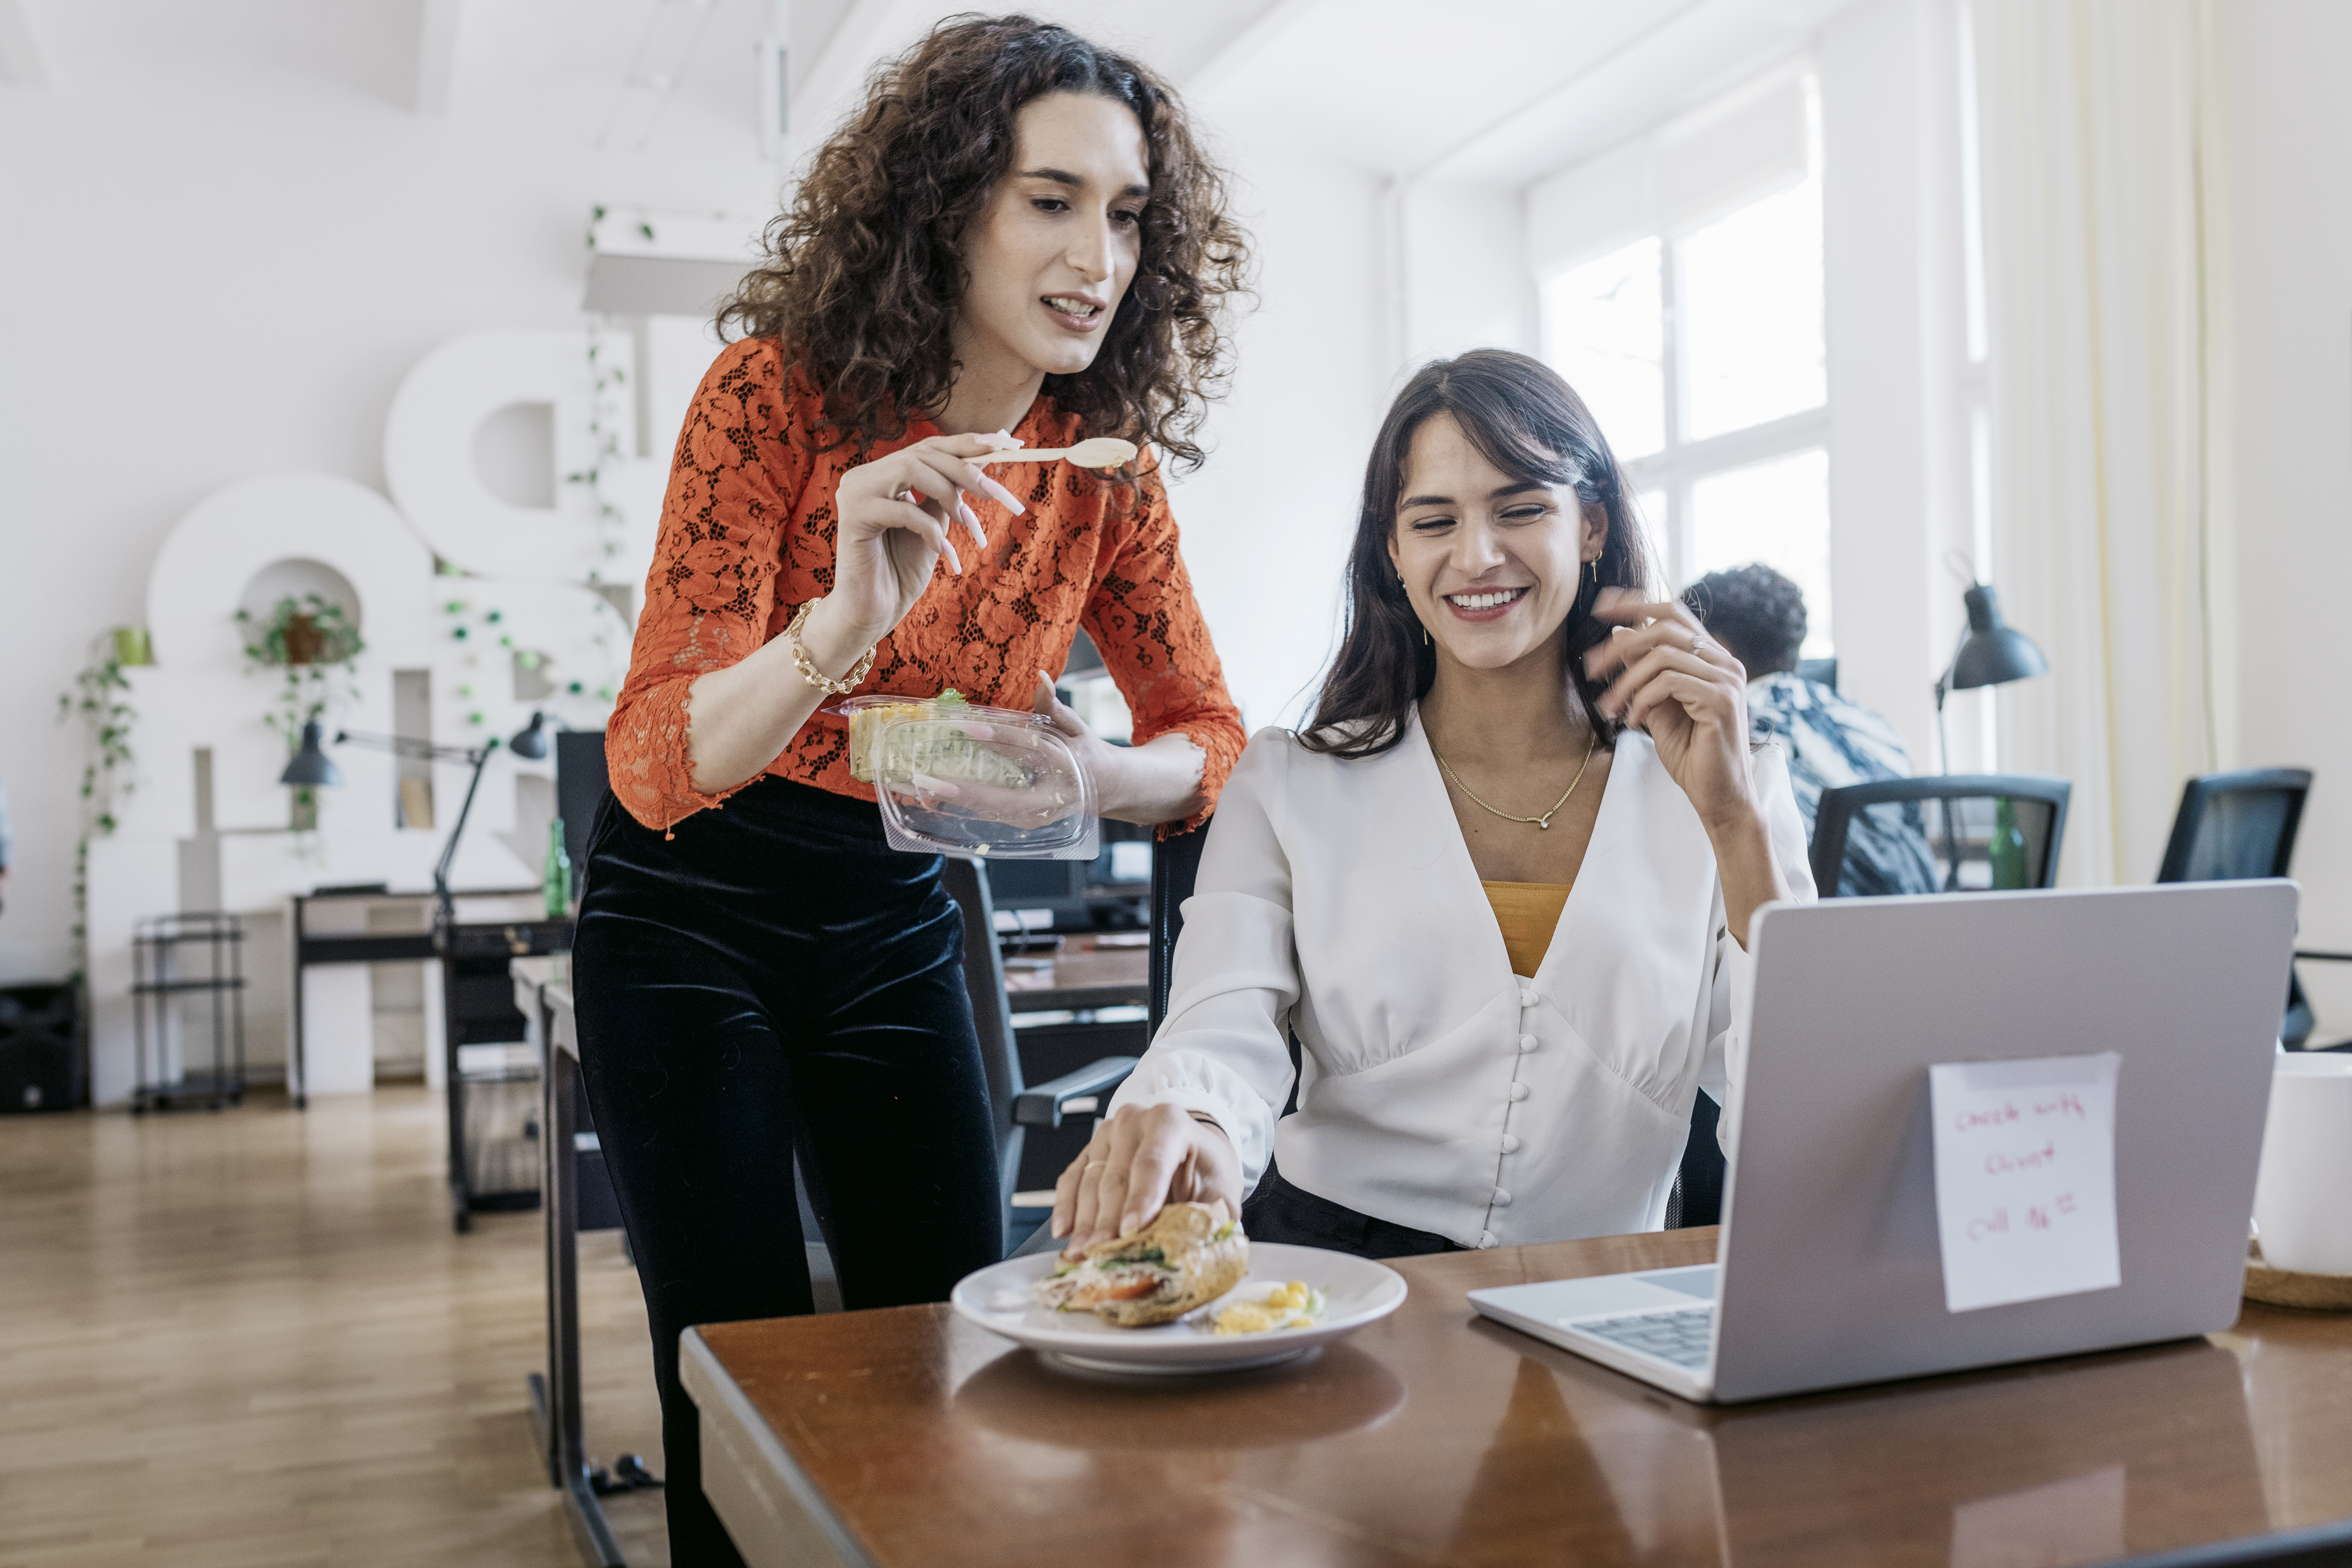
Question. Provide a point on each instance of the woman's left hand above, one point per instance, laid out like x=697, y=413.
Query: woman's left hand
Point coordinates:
x=1691, y=695
x=1100, y=758
x=1159, y=781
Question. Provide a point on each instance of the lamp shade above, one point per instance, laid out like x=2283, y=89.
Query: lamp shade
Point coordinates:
x=531, y=739
x=1993, y=653
x=312, y=765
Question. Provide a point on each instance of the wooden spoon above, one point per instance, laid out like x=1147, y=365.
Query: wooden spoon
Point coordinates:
x=1102, y=452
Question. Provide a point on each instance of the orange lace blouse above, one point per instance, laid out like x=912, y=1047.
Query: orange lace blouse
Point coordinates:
x=747, y=536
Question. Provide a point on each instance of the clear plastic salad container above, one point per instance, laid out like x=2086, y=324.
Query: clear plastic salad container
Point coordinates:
x=985, y=782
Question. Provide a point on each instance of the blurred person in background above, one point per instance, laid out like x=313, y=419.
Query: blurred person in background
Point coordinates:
x=1830, y=740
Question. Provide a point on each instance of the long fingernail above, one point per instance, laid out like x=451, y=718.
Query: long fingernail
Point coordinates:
x=954, y=562
x=1011, y=501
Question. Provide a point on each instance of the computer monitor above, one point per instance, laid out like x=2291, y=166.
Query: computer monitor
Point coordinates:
x=580, y=784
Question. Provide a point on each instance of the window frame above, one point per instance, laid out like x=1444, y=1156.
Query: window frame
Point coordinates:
x=1681, y=463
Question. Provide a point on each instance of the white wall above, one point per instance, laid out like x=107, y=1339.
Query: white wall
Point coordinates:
x=235, y=266
x=1890, y=219
x=2290, y=306
x=1267, y=520
x=213, y=268
x=1465, y=284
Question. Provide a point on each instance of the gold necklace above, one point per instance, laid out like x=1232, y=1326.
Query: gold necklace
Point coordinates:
x=1542, y=821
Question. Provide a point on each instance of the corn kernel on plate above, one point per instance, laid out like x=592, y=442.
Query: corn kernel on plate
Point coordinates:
x=1293, y=1300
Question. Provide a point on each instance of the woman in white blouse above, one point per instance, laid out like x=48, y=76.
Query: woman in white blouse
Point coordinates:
x=1497, y=889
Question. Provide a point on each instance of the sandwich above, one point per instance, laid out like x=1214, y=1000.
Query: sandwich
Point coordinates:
x=944, y=749
x=1189, y=1255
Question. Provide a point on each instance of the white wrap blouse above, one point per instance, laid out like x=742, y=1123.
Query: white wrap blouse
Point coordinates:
x=1437, y=1090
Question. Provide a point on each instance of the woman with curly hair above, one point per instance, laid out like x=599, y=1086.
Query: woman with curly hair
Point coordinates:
x=1015, y=241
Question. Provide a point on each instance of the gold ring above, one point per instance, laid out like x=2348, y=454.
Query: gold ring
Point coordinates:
x=1097, y=1165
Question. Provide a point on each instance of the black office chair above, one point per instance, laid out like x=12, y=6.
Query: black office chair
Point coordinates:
x=1935, y=831
x=1018, y=1106
x=1945, y=824
x=1175, y=866
x=2242, y=824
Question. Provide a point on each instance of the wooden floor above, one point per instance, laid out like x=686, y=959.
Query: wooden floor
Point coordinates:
x=251, y=1338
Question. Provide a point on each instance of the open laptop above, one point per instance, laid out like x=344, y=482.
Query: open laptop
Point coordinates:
x=1830, y=1270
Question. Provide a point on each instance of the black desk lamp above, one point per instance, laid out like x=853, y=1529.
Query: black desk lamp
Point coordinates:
x=1991, y=653
x=313, y=765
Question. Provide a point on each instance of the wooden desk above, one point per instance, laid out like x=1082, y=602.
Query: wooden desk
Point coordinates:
x=1087, y=975
x=908, y=1436
x=1084, y=975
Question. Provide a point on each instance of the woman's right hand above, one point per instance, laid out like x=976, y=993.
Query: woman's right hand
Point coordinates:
x=895, y=518
x=1140, y=1159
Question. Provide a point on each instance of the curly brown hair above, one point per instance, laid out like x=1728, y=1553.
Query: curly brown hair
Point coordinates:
x=865, y=269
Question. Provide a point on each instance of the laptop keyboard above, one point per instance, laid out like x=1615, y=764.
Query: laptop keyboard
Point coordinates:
x=1683, y=1335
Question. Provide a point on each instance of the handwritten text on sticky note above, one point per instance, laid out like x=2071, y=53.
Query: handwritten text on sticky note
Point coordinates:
x=2025, y=1177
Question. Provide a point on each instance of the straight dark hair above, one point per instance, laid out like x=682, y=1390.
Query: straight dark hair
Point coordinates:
x=1528, y=423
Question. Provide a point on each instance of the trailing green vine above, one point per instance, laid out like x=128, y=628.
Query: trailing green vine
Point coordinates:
x=108, y=772
x=606, y=411
x=316, y=645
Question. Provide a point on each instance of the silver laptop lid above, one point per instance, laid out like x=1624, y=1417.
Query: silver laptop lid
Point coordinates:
x=1832, y=1272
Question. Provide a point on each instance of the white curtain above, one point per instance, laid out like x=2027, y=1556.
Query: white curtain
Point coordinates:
x=2098, y=123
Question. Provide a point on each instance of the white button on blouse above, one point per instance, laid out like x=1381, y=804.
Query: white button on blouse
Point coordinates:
x=1337, y=899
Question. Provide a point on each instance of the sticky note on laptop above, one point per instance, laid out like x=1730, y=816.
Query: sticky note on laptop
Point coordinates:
x=2025, y=1177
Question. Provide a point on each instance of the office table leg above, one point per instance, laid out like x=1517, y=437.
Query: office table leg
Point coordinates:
x=555, y=1398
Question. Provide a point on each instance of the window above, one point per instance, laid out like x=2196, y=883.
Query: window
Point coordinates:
x=1751, y=314
x=1605, y=331
x=1700, y=349
x=1776, y=512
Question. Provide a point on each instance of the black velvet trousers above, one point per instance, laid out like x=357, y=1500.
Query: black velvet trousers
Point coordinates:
x=775, y=978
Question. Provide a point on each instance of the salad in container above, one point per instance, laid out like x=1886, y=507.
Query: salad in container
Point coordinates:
x=954, y=778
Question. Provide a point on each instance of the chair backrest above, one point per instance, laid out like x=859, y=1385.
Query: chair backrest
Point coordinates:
x=1822, y=670
x=2233, y=825
x=1175, y=865
x=992, y=1013
x=1944, y=833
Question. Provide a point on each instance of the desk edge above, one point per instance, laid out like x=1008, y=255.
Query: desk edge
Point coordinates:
x=2305, y=1546
x=719, y=1397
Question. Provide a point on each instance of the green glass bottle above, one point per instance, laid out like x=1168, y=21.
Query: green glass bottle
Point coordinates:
x=555, y=879
x=2007, y=850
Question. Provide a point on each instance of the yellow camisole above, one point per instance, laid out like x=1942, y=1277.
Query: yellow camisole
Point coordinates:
x=1527, y=911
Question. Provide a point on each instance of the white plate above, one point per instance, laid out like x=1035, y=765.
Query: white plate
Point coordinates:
x=1356, y=1290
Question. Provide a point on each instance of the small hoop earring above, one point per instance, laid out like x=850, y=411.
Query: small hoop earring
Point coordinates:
x=1424, y=631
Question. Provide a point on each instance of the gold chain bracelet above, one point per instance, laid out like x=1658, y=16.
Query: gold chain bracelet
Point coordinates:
x=807, y=667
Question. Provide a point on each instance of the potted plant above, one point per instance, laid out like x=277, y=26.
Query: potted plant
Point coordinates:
x=314, y=644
